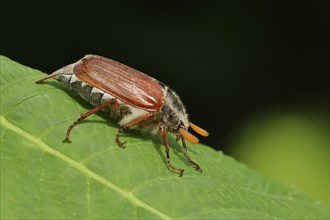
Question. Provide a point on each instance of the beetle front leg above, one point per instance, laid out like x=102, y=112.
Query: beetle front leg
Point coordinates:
x=168, y=161
x=196, y=165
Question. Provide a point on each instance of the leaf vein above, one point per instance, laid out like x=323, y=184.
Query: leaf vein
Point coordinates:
x=227, y=210
x=80, y=167
x=25, y=99
x=15, y=82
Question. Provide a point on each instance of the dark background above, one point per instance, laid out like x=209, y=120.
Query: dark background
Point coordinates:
x=228, y=60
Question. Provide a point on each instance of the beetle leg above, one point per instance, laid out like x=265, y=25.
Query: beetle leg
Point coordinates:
x=197, y=167
x=48, y=77
x=85, y=115
x=115, y=110
x=163, y=131
x=177, y=137
x=130, y=124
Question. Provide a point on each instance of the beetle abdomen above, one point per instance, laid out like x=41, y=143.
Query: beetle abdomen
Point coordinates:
x=95, y=96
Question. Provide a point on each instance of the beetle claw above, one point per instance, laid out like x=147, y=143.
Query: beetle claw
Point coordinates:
x=121, y=144
x=199, y=169
x=66, y=140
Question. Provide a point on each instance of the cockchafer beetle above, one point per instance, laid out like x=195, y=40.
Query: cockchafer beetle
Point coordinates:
x=134, y=99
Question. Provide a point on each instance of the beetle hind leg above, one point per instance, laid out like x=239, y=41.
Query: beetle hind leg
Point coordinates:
x=51, y=76
x=67, y=70
x=83, y=116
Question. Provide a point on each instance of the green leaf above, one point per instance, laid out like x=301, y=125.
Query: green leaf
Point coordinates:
x=93, y=178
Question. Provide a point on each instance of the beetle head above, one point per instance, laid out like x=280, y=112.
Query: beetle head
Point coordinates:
x=176, y=118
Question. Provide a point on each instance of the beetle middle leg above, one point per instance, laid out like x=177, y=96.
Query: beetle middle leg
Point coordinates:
x=130, y=124
x=85, y=115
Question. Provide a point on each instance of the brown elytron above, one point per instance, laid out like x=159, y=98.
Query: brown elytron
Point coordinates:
x=123, y=82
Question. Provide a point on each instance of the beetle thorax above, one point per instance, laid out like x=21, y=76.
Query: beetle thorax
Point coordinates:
x=174, y=112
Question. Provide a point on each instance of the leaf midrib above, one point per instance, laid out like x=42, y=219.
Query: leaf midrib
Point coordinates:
x=79, y=166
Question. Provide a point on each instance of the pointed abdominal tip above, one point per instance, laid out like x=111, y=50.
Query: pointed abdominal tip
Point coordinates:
x=189, y=137
x=199, y=130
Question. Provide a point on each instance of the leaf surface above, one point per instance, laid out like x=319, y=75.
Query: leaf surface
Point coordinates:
x=41, y=177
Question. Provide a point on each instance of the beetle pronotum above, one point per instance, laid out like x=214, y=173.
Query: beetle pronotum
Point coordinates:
x=134, y=99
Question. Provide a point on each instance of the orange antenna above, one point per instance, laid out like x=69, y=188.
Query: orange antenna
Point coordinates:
x=199, y=130
x=189, y=137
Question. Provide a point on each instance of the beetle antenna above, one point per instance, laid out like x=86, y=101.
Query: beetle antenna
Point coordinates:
x=186, y=135
x=199, y=130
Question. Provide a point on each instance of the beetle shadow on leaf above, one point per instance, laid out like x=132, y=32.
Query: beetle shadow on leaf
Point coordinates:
x=174, y=147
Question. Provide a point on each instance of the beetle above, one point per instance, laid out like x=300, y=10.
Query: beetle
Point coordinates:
x=132, y=98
